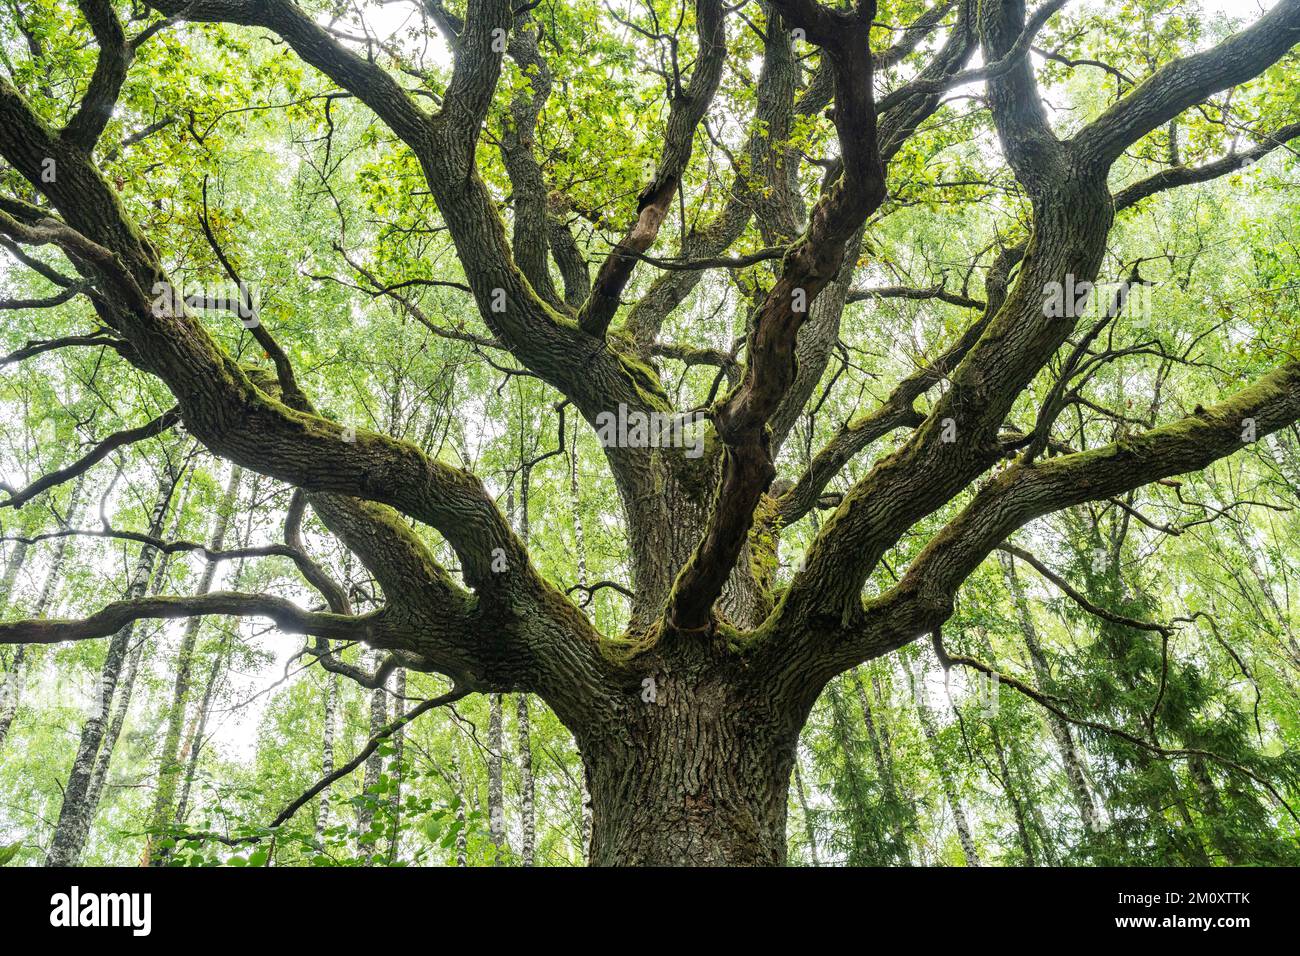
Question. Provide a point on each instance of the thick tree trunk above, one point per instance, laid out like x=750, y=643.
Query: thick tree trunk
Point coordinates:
x=700, y=778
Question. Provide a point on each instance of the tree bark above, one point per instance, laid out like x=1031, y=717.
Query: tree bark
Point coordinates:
x=495, y=784
x=395, y=773
x=884, y=764
x=1014, y=798
x=928, y=727
x=73, y=826
x=11, y=684
x=810, y=832
x=17, y=557
x=462, y=829
x=527, y=796
x=699, y=777
x=368, y=842
x=126, y=686
x=327, y=751
x=198, y=723
x=1061, y=733
x=169, y=764
x=697, y=770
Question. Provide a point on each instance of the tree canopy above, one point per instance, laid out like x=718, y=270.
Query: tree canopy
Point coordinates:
x=481, y=432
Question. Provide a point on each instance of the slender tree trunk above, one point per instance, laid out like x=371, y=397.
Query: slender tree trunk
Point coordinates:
x=462, y=833
x=809, y=833
x=496, y=750
x=54, y=578
x=877, y=753
x=108, y=746
x=526, y=786
x=126, y=686
x=496, y=788
x=327, y=752
x=1060, y=730
x=1189, y=835
x=17, y=558
x=580, y=548
x=11, y=689
x=1215, y=816
x=1014, y=798
x=579, y=533
x=926, y=717
x=395, y=793
x=198, y=727
x=11, y=680
x=884, y=765
x=374, y=767
x=73, y=826
x=527, y=792
x=1016, y=783
x=11, y=685
x=585, y=797
x=852, y=791
x=198, y=723
x=169, y=763
x=1023, y=769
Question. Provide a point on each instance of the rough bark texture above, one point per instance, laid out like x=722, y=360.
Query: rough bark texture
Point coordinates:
x=126, y=685
x=702, y=778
